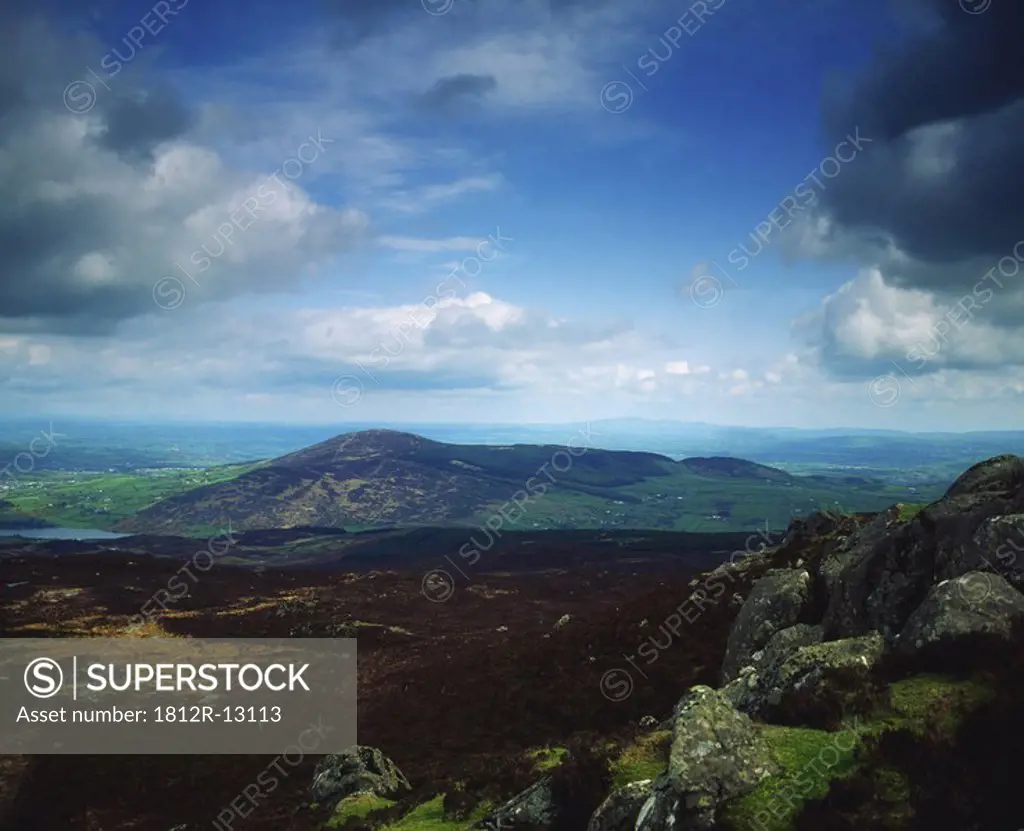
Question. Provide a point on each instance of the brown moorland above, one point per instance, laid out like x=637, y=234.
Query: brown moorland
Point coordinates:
x=454, y=691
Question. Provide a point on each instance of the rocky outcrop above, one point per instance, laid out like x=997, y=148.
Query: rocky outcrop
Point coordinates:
x=803, y=669
x=775, y=602
x=883, y=572
x=812, y=527
x=998, y=475
x=972, y=604
x=358, y=770
x=848, y=574
x=532, y=809
x=749, y=692
x=620, y=810
x=717, y=754
x=822, y=610
x=997, y=544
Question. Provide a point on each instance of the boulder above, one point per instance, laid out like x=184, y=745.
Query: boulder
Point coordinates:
x=802, y=669
x=620, y=810
x=851, y=548
x=998, y=475
x=717, y=754
x=775, y=602
x=883, y=572
x=848, y=573
x=997, y=545
x=811, y=527
x=974, y=603
x=533, y=808
x=807, y=684
x=359, y=769
x=747, y=693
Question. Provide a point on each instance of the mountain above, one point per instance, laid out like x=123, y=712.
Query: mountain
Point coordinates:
x=376, y=478
x=736, y=469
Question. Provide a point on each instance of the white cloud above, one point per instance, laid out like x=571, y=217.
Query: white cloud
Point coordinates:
x=868, y=323
x=422, y=245
x=429, y=196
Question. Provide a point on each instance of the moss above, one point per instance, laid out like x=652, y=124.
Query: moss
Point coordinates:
x=813, y=759
x=936, y=701
x=430, y=817
x=891, y=785
x=546, y=758
x=358, y=805
x=647, y=758
x=810, y=760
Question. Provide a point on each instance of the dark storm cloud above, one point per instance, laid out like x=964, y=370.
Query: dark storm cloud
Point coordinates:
x=456, y=92
x=89, y=223
x=971, y=64
x=41, y=243
x=135, y=126
x=48, y=220
x=944, y=176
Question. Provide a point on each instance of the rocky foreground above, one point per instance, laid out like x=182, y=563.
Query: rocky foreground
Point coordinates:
x=864, y=673
x=870, y=679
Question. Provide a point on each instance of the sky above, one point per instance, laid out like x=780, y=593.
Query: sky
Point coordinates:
x=773, y=213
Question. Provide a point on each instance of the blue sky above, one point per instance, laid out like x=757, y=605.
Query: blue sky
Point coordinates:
x=368, y=285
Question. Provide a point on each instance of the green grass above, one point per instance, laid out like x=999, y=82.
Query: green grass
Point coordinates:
x=647, y=758
x=430, y=817
x=809, y=766
x=810, y=760
x=909, y=511
x=936, y=700
x=547, y=758
x=358, y=805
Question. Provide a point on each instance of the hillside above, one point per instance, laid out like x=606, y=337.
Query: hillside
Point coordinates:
x=865, y=673
x=378, y=478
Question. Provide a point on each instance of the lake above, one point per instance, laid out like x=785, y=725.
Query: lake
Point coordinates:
x=60, y=534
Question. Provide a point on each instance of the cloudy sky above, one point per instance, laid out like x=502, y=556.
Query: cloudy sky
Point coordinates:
x=763, y=213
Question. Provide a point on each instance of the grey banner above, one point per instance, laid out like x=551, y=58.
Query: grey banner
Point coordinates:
x=177, y=695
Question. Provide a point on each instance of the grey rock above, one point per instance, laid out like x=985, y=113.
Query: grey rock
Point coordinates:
x=885, y=570
x=620, y=810
x=359, y=769
x=717, y=754
x=533, y=808
x=997, y=545
x=974, y=603
x=999, y=475
x=811, y=527
x=841, y=553
x=805, y=669
x=775, y=602
x=749, y=692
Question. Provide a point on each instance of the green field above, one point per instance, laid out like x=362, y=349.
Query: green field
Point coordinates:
x=99, y=500
x=704, y=503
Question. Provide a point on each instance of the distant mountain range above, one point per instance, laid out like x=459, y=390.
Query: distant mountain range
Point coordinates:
x=380, y=478
x=888, y=455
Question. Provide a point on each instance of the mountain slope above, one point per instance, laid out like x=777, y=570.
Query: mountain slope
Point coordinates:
x=384, y=477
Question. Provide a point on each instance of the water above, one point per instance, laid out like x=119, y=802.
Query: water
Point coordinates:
x=60, y=534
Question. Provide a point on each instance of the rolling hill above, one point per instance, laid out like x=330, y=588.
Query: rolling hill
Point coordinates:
x=379, y=478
